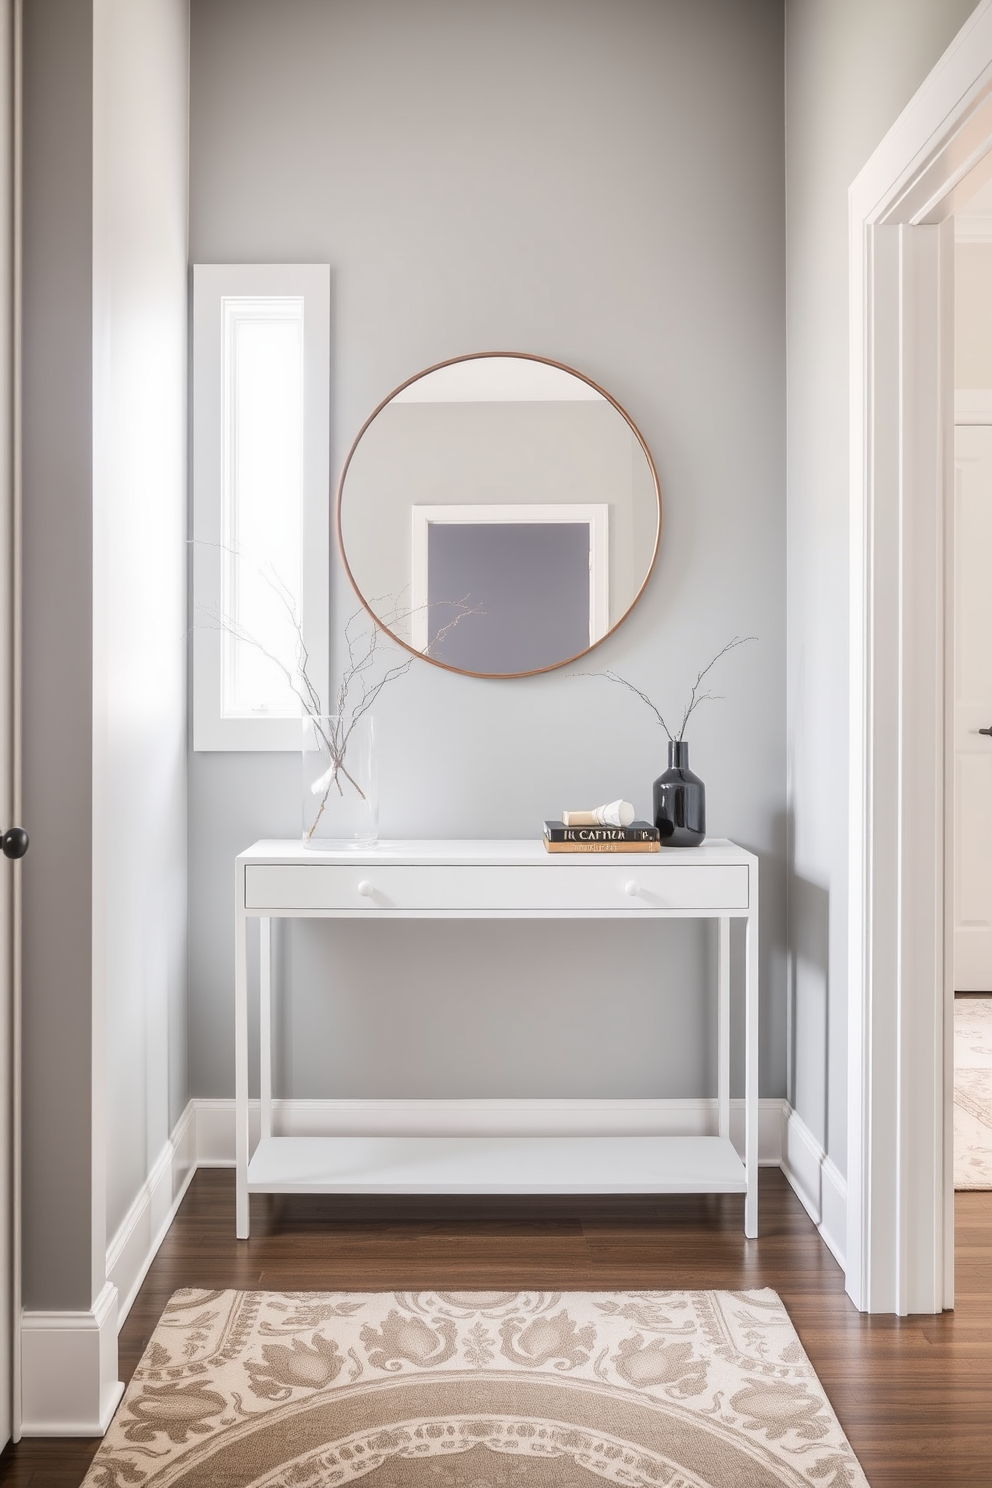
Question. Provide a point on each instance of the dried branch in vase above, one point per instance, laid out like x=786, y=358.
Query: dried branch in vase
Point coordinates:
x=362, y=678
x=360, y=684
x=695, y=697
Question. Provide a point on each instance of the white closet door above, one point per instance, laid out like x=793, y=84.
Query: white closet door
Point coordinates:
x=973, y=709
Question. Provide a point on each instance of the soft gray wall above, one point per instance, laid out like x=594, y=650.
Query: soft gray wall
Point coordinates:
x=141, y=70
x=62, y=1228
x=601, y=184
x=851, y=66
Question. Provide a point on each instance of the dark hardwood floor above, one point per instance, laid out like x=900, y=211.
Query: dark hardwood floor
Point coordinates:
x=913, y=1394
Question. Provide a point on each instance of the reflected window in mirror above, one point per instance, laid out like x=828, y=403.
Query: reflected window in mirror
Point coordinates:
x=530, y=584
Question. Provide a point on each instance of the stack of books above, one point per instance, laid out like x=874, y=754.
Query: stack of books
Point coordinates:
x=639, y=837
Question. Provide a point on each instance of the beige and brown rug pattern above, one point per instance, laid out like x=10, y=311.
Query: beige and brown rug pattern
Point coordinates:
x=475, y=1390
x=973, y=1092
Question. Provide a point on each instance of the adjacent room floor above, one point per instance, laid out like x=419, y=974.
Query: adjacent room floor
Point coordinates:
x=913, y=1394
x=972, y=1090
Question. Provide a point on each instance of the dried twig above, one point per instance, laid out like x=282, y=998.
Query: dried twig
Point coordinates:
x=359, y=686
x=695, y=697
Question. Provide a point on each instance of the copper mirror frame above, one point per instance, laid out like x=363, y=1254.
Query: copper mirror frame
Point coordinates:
x=594, y=395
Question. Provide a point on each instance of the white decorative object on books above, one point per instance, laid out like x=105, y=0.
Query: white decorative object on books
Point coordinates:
x=495, y=880
x=615, y=814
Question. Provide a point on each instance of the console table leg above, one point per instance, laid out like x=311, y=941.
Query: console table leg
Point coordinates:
x=723, y=1028
x=751, y=1074
x=265, y=1024
x=241, y=1064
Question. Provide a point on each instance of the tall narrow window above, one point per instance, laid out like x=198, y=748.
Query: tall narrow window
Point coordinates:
x=260, y=420
x=261, y=505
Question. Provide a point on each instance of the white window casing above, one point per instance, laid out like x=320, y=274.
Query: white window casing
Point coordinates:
x=260, y=436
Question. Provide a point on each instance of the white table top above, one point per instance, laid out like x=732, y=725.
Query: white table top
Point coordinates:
x=498, y=851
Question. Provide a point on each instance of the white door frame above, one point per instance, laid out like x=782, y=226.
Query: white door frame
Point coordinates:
x=900, y=1172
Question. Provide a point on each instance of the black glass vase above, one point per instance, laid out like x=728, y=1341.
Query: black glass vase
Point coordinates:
x=679, y=800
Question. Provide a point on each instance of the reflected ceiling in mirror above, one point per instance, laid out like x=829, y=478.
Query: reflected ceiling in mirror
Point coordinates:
x=499, y=514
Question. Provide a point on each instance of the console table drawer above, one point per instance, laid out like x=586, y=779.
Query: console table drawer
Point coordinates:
x=617, y=885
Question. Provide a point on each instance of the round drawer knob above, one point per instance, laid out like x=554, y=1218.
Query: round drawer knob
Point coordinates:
x=632, y=887
x=365, y=889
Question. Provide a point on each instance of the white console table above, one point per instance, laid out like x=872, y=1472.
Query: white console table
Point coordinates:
x=497, y=880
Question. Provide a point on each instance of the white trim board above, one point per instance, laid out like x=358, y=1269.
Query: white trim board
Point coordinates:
x=215, y=1125
x=69, y=1384
x=144, y=1227
x=817, y=1181
x=899, y=1246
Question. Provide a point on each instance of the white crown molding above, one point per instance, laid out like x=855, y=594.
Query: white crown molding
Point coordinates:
x=69, y=1384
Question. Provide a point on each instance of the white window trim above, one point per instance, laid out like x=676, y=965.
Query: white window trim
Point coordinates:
x=594, y=514
x=211, y=283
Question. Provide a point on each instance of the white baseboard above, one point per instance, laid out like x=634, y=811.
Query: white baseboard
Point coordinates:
x=143, y=1228
x=818, y=1182
x=69, y=1384
x=490, y=1117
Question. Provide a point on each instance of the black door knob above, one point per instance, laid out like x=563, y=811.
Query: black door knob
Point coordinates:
x=14, y=843
x=986, y=731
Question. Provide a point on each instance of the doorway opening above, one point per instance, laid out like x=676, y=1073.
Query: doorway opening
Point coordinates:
x=900, y=1238
x=969, y=687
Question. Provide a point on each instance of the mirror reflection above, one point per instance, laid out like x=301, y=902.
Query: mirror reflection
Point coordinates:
x=499, y=514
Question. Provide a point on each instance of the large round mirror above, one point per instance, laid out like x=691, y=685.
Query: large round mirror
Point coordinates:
x=499, y=514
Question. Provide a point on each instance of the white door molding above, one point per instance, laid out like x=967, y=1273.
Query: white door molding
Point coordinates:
x=900, y=1222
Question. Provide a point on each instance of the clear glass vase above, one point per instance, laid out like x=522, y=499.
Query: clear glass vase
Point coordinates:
x=340, y=795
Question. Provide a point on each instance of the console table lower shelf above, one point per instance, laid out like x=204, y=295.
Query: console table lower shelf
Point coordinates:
x=496, y=1165
x=504, y=880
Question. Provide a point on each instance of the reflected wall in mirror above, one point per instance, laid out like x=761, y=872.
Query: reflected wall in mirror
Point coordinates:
x=499, y=514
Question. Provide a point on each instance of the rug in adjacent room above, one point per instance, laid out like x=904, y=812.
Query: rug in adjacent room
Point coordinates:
x=973, y=1092
x=475, y=1390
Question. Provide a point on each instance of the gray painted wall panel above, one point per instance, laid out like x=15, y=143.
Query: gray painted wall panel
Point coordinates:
x=540, y=178
x=59, y=1255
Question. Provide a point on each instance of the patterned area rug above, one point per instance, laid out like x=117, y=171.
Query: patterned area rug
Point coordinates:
x=475, y=1390
x=973, y=1092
